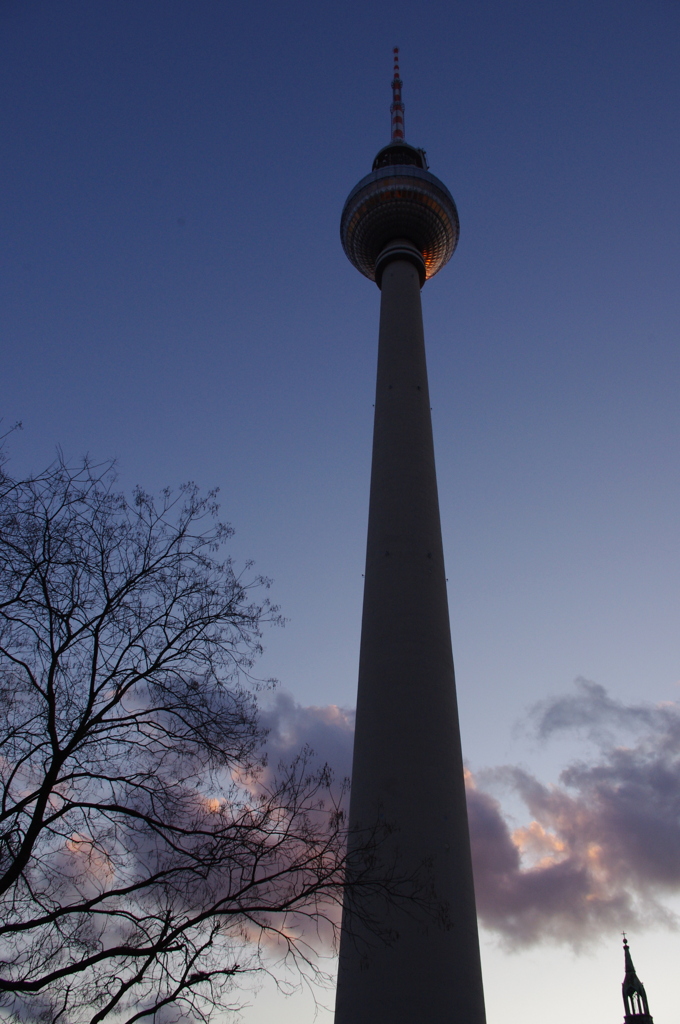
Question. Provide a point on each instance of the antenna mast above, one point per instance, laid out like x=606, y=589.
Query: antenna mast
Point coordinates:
x=397, y=107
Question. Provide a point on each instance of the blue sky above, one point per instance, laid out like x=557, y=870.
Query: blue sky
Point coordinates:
x=174, y=295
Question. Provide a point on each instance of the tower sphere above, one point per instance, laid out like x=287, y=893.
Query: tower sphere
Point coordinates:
x=399, y=201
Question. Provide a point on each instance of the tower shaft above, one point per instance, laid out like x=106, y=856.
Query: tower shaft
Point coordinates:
x=423, y=963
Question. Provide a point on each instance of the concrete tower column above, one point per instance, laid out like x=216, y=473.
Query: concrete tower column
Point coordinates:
x=406, y=961
x=423, y=964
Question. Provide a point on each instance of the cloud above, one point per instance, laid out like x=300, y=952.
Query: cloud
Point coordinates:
x=328, y=731
x=591, y=711
x=534, y=883
x=600, y=850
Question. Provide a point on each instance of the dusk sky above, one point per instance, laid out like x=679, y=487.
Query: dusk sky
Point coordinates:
x=174, y=295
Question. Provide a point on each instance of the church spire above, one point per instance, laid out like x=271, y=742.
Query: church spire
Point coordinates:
x=636, y=1007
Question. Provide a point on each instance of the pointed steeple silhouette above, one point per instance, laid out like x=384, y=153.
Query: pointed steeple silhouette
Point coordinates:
x=635, y=1002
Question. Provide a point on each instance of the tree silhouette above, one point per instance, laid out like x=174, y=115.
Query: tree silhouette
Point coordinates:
x=147, y=855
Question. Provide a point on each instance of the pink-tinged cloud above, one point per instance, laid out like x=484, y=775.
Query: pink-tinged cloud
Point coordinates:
x=600, y=850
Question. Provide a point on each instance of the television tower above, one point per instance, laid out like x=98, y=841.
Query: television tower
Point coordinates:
x=405, y=962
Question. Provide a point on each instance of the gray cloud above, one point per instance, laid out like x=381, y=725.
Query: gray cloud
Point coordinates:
x=591, y=711
x=601, y=849
x=328, y=731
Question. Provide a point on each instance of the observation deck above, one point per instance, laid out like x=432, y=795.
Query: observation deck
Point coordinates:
x=399, y=200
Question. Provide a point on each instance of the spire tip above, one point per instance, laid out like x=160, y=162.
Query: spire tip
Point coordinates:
x=397, y=108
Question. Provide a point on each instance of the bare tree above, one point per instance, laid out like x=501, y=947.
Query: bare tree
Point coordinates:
x=145, y=856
